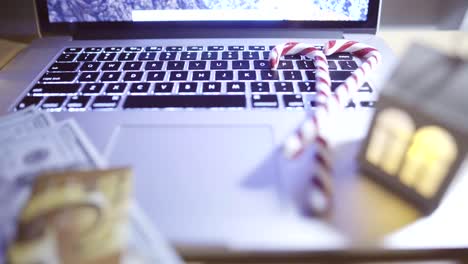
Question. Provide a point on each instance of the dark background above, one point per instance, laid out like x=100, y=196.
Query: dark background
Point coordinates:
x=17, y=19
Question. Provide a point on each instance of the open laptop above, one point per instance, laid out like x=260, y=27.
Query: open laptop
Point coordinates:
x=182, y=92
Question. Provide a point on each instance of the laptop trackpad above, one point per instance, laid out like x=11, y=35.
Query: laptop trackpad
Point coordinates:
x=203, y=183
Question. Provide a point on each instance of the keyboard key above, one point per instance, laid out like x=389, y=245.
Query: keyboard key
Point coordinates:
x=284, y=87
x=219, y=65
x=366, y=88
x=224, y=75
x=348, y=65
x=110, y=76
x=86, y=57
x=269, y=75
x=292, y=75
x=88, y=76
x=340, y=75
x=140, y=88
x=92, y=88
x=292, y=57
x=90, y=66
x=147, y=56
x=93, y=49
x=60, y=66
x=250, y=55
x=153, y=48
x=256, y=47
x=77, y=102
x=236, y=48
x=370, y=104
x=105, y=102
x=293, y=100
x=195, y=48
x=29, y=101
x=230, y=55
x=58, y=77
x=260, y=87
x=106, y=57
x=215, y=48
x=116, y=88
x=209, y=55
x=178, y=101
x=163, y=87
x=67, y=57
x=241, y=65
x=178, y=76
x=310, y=75
x=154, y=66
x=332, y=65
x=174, y=48
x=235, y=87
x=56, y=88
x=113, y=49
x=262, y=65
x=262, y=100
x=307, y=87
x=197, y=65
x=134, y=76
x=155, y=76
x=340, y=56
x=111, y=66
x=175, y=65
x=266, y=55
x=212, y=87
x=305, y=65
x=133, y=49
x=73, y=50
x=188, y=87
x=247, y=75
x=188, y=55
x=285, y=65
x=127, y=56
x=53, y=102
x=335, y=85
x=201, y=75
x=167, y=55
x=132, y=66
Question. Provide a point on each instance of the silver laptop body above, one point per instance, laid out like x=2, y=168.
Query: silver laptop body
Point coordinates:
x=208, y=177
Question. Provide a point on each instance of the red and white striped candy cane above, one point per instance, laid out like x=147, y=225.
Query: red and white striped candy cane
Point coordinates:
x=343, y=94
x=318, y=190
x=319, y=198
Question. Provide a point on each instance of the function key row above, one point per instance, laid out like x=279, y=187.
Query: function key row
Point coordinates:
x=169, y=48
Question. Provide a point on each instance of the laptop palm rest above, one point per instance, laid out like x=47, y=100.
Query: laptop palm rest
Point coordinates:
x=200, y=184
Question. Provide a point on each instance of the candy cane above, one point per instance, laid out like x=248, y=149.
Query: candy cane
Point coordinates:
x=319, y=199
x=319, y=189
x=343, y=94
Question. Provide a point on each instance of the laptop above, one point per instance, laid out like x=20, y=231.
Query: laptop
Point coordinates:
x=182, y=92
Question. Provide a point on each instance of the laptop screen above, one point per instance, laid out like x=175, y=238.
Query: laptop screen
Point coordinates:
x=70, y=11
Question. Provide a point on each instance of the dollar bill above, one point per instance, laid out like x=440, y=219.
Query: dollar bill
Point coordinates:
x=60, y=147
x=23, y=123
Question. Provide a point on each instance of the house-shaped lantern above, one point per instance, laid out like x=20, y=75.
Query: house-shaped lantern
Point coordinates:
x=418, y=138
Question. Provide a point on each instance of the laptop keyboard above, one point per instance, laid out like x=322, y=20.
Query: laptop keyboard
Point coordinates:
x=121, y=78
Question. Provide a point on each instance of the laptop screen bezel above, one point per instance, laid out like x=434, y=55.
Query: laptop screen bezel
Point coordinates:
x=66, y=28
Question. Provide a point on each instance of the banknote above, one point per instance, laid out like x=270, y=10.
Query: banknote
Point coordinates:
x=61, y=147
x=24, y=122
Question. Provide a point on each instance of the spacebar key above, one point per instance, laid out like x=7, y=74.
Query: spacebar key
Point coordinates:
x=185, y=101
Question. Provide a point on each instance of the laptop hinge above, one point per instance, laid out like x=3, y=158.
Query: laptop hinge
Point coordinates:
x=93, y=34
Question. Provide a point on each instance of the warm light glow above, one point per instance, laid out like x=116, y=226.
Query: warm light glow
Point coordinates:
x=390, y=139
x=428, y=160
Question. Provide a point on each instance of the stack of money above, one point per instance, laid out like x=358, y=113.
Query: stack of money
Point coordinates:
x=60, y=205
